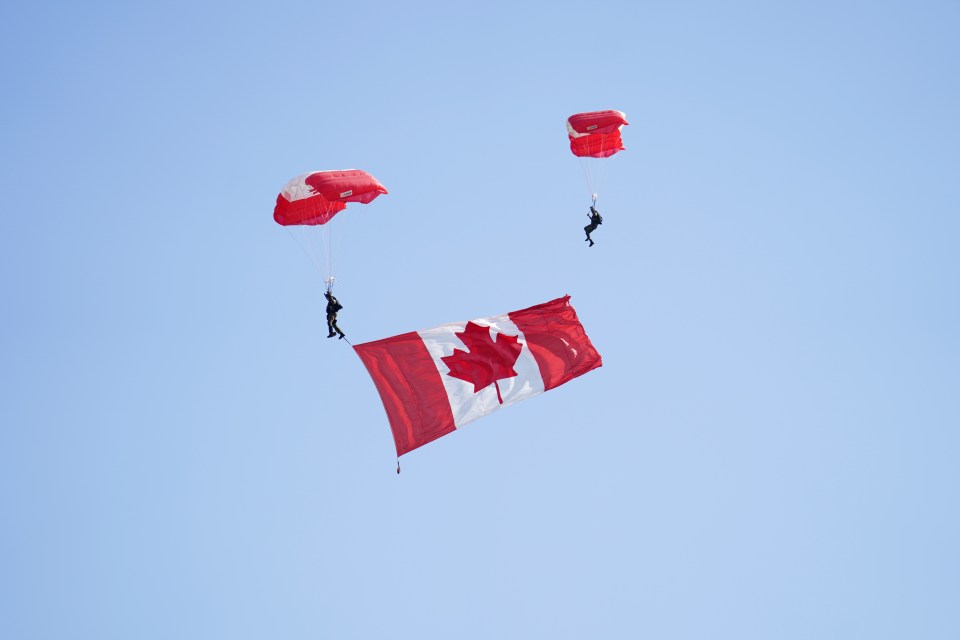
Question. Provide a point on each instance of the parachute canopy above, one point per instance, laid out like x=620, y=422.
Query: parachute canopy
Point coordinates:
x=314, y=198
x=596, y=134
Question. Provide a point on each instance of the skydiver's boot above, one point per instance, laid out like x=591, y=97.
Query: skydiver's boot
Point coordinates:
x=342, y=336
x=331, y=334
x=591, y=243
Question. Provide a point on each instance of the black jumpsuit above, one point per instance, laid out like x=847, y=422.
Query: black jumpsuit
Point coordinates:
x=333, y=306
x=595, y=221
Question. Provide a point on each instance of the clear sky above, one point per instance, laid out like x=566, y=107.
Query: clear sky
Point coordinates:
x=770, y=450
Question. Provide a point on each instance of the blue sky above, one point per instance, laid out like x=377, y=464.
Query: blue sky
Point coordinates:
x=769, y=450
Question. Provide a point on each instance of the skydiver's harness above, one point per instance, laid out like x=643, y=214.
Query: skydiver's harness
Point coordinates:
x=333, y=305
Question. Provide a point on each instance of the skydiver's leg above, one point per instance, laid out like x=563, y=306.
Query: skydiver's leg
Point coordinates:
x=337, y=327
x=331, y=322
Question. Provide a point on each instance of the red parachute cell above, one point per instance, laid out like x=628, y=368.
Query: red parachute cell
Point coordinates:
x=596, y=134
x=314, y=198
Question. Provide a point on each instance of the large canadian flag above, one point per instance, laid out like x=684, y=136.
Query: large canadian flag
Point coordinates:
x=437, y=380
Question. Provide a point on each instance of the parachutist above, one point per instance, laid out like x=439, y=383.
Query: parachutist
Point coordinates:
x=333, y=306
x=595, y=221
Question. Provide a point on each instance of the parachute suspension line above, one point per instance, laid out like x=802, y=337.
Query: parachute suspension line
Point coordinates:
x=593, y=171
x=315, y=241
x=586, y=165
x=398, y=465
x=342, y=225
x=333, y=233
x=601, y=166
x=326, y=240
x=306, y=248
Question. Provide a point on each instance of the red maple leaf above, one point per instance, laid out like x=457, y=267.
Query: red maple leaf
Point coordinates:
x=487, y=360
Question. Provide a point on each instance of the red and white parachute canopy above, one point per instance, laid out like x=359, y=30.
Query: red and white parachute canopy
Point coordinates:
x=314, y=198
x=596, y=134
x=594, y=137
x=309, y=202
